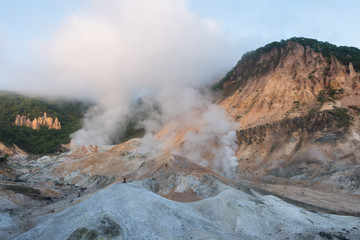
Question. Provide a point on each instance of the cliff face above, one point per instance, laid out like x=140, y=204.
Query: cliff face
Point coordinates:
x=286, y=81
x=299, y=115
x=312, y=151
x=37, y=122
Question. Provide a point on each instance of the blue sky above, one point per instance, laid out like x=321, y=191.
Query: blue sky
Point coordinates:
x=22, y=22
x=259, y=21
x=263, y=21
x=247, y=24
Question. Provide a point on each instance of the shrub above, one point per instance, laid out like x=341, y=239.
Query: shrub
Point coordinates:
x=342, y=116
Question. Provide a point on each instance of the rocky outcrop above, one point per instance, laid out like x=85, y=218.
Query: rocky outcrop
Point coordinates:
x=319, y=121
x=320, y=151
x=298, y=111
x=286, y=82
x=37, y=122
x=5, y=151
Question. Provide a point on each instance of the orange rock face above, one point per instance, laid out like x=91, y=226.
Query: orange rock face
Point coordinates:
x=37, y=122
x=288, y=89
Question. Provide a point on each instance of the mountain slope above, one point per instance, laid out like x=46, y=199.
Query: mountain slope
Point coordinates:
x=298, y=105
x=285, y=80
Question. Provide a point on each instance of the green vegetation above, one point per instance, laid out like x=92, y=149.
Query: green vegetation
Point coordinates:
x=344, y=54
x=297, y=104
x=219, y=85
x=44, y=140
x=342, y=115
x=328, y=95
x=321, y=97
x=311, y=75
x=333, y=92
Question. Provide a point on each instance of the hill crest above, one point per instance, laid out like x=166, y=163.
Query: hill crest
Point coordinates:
x=288, y=79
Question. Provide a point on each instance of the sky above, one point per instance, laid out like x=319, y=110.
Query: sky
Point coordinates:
x=246, y=25
x=258, y=22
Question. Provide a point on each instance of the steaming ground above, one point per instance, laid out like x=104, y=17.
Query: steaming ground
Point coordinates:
x=63, y=197
x=116, y=51
x=120, y=53
x=216, y=138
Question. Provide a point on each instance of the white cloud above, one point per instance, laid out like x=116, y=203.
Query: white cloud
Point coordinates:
x=116, y=48
x=121, y=45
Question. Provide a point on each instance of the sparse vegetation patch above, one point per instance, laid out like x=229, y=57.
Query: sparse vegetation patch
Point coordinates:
x=329, y=95
x=342, y=114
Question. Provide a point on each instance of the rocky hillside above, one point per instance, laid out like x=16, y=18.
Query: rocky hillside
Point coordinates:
x=298, y=105
x=23, y=121
x=289, y=79
x=37, y=122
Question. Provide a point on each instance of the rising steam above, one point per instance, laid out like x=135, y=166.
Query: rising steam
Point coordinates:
x=120, y=52
x=216, y=141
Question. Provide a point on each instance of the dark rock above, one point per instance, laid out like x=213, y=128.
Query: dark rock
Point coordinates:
x=341, y=237
x=319, y=121
x=78, y=234
x=326, y=235
x=58, y=183
x=110, y=228
x=19, y=180
x=48, y=199
x=91, y=235
x=330, y=137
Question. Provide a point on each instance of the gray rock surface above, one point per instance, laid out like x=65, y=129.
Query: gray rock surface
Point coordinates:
x=129, y=211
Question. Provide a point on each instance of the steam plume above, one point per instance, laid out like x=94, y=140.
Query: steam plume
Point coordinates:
x=216, y=140
x=114, y=51
x=117, y=52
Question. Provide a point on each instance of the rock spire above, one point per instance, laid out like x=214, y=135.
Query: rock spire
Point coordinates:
x=21, y=120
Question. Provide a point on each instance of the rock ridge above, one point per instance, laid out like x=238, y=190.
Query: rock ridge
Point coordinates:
x=287, y=82
x=318, y=121
x=35, y=124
